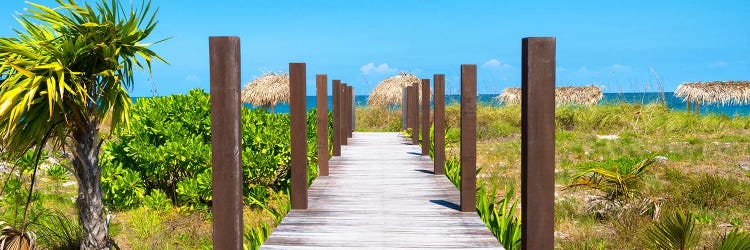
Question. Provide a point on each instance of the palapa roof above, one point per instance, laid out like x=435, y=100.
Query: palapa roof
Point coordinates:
x=388, y=92
x=267, y=90
x=568, y=95
x=721, y=92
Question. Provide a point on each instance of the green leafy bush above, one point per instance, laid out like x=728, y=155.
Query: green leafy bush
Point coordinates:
x=168, y=148
x=676, y=231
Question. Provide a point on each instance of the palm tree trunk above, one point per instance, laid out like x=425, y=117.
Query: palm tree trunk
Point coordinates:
x=89, y=201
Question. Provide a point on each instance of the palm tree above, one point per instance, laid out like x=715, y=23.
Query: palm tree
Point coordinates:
x=64, y=75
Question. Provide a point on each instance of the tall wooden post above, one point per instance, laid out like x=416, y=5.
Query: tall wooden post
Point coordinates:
x=404, y=102
x=336, y=109
x=344, y=115
x=322, y=104
x=425, y=116
x=469, y=138
x=538, y=142
x=688, y=104
x=411, y=116
x=415, y=109
x=298, y=131
x=350, y=109
x=439, y=123
x=226, y=134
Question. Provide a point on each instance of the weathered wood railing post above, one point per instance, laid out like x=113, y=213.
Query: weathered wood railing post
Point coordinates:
x=344, y=115
x=439, y=123
x=322, y=104
x=226, y=157
x=336, y=109
x=469, y=138
x=538, y=142
x=411, y=116
x=425, y=116
x=415, y=109
x=350, y=95
x=298, y=133
x=404, y=102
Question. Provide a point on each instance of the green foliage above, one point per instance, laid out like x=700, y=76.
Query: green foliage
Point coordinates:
x=157, y=200
x=735, y=240
x=675, y=231
x=57, y=172
x=58, y=231
x=168, y=147
x=257, y=235
x=122, y=188
x=453, y=171
x=619, y=179
x=500, y=216
x=712, y=191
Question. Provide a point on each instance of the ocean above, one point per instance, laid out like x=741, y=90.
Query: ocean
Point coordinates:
x=638, y=98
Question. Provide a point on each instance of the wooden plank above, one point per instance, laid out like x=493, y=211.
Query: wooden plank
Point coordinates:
x=322, y=105
x=538, y=142
x=468, y=137
x=439, y=121
x=226, y=135
x=336, y=109
x=298, y=131
x=381, y=194
x=426, y=116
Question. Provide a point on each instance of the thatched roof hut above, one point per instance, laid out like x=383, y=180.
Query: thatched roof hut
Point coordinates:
x=568, y=95
x=388, y=92
x=721, y=92
x=267, y=91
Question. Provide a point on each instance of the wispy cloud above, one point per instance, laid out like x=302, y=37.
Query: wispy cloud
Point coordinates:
x=719, y=64
x=494, y=63
x=618, y=68
x=371, y=68
x=192, y=78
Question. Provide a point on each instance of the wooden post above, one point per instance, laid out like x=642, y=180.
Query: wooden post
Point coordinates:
x=688, y=104
x=697, y=107
x=350, y=109
x=439, y=122
x=425, y=116
x=336, y=109
x=354, y=110
x=344, y=115
x=415, y=109
x=411, y=116
x=322, y=103
x=298, y=131
x=469, y=138
x=226, y=134
x=538, y=142
x=404, y=103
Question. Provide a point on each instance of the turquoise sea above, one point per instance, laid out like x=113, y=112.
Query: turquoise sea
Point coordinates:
x=639, y=98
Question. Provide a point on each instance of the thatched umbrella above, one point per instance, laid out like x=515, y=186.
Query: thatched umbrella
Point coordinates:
x=388, y=92
x=568, y=95
x=267, y=91
x=721, y=92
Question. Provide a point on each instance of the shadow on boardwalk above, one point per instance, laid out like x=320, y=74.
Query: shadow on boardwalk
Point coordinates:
x=380, y=195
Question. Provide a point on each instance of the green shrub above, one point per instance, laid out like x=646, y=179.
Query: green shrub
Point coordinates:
x=156, y=200
x=619, y=179
x=56, y=230
x=675, y=231
x=168, y=147
x=735, y=240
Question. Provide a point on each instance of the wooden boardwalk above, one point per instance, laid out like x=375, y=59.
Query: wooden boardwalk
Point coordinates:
x=381, y=194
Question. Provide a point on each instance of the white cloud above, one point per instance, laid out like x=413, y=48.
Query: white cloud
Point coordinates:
x=192, y=78
x=719, y=64
x=618, y=68
x=494, y=63
x=379, y=69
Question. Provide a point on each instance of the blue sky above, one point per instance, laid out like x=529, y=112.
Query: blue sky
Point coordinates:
x=625, y=46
